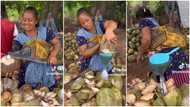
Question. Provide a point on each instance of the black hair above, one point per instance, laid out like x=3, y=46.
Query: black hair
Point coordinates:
x=143, y=12
x=34, y=11
x=83, y=11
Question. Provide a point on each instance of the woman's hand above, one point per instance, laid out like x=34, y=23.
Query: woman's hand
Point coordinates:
x=52, y=59
x=110, y=36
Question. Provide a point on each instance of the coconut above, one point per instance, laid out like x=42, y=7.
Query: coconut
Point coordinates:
x=185, y=100
x=131, y=98
x=77, y=84
x=89, y=75
x=142, y=103
x=34, y=102
x=130, y=51
x=16, y=98
x=136, y=81
x=6, y=96
x=100, y=83
x=147, y=97
x=159, y=102
x=9, y=84
x=140, y=86
x=90, y=103
x=73, y=101
x=173, y=98
x=7, y=60
x=109, y=97
x=50, y=95
x=149, y=89
x=26, y=88
x=82, y=96
x=170, y=83
x=67, y=78
x=131, y=58
x=117, y=82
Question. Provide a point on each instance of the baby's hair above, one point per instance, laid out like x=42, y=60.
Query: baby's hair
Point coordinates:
x=143, y=12
x=83, y=11
x=34, y=12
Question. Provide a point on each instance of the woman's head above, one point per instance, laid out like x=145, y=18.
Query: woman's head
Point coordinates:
x=29, y=20
x=85, y=18
x=143, y=12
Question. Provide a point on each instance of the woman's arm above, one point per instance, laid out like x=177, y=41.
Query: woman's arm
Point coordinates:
x=87, y=52
x=145, y=43
x=56, y=48
x=110, y=26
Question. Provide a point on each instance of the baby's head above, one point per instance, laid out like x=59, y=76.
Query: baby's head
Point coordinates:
x=85, y=18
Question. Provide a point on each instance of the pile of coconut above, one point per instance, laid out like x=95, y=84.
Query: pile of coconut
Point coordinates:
x=140, y=93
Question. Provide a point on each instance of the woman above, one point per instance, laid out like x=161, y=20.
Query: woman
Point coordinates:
x=36, y=73
x=146, y=22
x=90, y=29
x=179, y=60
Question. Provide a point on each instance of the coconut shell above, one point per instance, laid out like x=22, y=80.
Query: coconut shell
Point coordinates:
x=6, y=96
x=73, y=101
x=142, y=103
x=173, y=98
x=17, y=97
x=149, y=89
x=131, y=58
x=140, y=86
x=170, y=83
x=131, y=98
x=78, y=84
x=147, y=97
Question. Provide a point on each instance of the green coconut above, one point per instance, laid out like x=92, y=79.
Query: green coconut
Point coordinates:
x=3, y=103
x=77, y=84
x=73, y=101
x=100, y=83
x=117, y=81
x=17, y=97
x=109, y=97
x=117, y=96
x=184, y=89
x=107, y=83
x=159, y=102
x=105, y=97
x=173, y=98
x=82, y=96
x=44, y=89
x=34, y=102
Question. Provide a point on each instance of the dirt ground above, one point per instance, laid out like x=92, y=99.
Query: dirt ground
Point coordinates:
x=135, y=70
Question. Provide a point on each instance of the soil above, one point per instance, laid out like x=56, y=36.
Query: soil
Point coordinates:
x=135, y=70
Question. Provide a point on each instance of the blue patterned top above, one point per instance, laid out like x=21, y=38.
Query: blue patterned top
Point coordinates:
x=151, y=22
x=82, y=38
